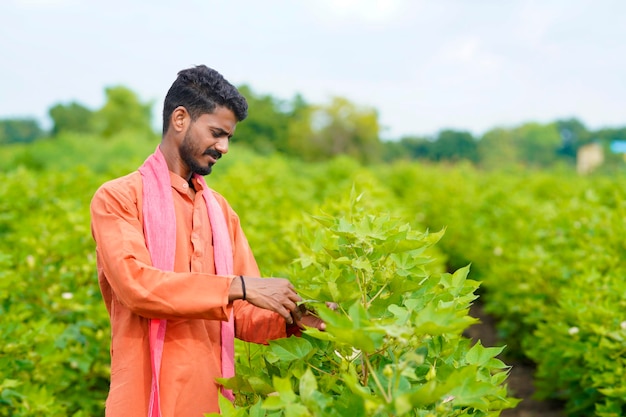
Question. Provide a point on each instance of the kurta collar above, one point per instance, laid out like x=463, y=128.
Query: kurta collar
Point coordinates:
x=181, y=185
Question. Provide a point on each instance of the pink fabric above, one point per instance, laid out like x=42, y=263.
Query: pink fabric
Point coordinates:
x=160, y=234
x=223, y=256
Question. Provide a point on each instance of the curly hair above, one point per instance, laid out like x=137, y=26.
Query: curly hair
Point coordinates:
x=200, y=90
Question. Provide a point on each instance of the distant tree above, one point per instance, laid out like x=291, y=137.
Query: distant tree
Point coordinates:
x=300, y=129
x=343, y=128
x=574, y=134
x=265, y=128
x=20, y=130
x=453, y=145
x=72, y=117
x=393, y=150
x=538, y=144
x=123, y=111
x=608, y=135
x=497, y=149
x=409, y=147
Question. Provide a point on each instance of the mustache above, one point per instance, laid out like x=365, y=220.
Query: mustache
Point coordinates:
x=213, y=153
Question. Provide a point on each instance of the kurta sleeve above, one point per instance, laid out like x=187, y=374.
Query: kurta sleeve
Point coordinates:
x=256, y=325
x=125, y=263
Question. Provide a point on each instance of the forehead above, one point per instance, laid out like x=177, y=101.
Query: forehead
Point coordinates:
x=222, y=117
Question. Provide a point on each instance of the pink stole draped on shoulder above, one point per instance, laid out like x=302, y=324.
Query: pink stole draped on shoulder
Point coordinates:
x=159, y=222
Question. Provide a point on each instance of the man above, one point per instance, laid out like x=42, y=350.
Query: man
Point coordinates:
x=175, y=270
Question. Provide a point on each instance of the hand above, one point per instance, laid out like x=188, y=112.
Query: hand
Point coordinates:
x=275, y=294
x=307, y=318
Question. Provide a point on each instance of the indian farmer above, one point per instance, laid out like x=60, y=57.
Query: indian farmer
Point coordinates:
x=176, y=273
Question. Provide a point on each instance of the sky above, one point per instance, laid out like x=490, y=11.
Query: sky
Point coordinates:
x=470, y=65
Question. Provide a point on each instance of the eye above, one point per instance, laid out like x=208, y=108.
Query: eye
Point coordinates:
x=219, y=133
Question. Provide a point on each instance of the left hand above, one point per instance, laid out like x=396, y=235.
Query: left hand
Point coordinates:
x=306, y=318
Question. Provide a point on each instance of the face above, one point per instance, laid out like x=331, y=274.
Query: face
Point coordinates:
x=206, y=140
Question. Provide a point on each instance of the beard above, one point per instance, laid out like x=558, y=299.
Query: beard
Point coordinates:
x=187, y=151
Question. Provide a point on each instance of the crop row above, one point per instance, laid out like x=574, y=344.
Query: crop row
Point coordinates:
x=547, y=249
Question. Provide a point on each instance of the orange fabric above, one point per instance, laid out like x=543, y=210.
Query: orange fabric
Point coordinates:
x=192, y=298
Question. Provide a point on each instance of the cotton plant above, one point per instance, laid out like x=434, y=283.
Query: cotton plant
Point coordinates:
x=393, y=342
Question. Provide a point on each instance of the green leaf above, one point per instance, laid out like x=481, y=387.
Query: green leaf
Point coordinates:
x=459, y=276
x=227, y=409
x=284, y=388
x=274, y=402
x=468, y=390
x=297, y=410
x=362, y=263
x=256, y=410
x=308, y=385
x=481, y=356
x=291, y=349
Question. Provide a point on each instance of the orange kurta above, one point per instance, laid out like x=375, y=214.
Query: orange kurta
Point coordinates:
x=192, y=298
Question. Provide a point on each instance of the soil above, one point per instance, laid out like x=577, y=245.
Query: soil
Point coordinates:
x=520, y=380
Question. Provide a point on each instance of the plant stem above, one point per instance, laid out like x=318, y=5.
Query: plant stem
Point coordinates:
x=376, y=380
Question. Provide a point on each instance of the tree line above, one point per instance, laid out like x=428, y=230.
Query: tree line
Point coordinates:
x=316, y=132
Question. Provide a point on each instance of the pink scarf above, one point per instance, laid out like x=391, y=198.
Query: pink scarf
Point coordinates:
x=159, y=222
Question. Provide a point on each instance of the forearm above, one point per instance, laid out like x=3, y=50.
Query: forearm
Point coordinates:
x=153, y=293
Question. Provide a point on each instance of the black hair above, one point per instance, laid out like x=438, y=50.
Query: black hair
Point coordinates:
x=200, y=90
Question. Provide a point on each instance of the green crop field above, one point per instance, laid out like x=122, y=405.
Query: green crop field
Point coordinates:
x=403, y=248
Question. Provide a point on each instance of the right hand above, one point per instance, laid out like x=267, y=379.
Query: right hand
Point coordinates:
x=275, y=294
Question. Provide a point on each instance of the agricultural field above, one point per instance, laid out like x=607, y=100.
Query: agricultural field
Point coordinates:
x=404, y=249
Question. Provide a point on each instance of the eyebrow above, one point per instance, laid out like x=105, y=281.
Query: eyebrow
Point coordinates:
x=221, y=131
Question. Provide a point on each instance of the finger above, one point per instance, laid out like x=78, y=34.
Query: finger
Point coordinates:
x=311, y=321
x=295, y=319
x=321, y=325
x=293, y=296
x=297, y=313
x=286, y=315
x=293, y=308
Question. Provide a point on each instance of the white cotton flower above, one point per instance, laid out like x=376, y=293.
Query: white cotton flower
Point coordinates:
x=573, y=330
x=67, y=295
x=623, y=325
x=497, y=251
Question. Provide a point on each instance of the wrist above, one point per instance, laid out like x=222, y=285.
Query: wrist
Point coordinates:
x=236, y=291
x=243, y=287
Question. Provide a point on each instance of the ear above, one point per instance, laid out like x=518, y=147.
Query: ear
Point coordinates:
x=180, y=119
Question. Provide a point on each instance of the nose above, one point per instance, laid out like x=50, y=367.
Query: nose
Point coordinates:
x=222, y=145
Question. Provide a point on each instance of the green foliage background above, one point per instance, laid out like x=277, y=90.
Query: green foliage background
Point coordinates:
x=320, y=131
x=404, y=247
x=546, y=248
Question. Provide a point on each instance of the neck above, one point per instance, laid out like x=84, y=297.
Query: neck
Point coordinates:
x=174, y=162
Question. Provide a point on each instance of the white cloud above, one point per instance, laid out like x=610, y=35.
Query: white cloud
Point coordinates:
x=45, y=4
x=366, y=11
x=470, y=52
